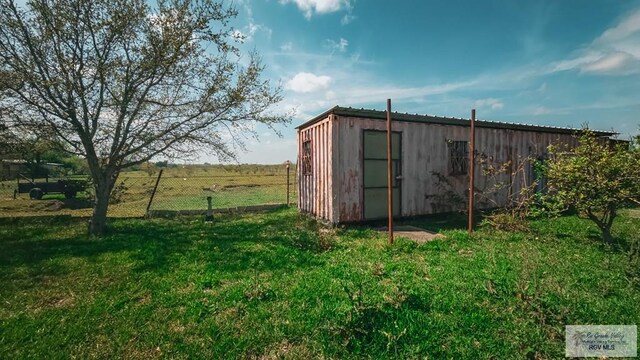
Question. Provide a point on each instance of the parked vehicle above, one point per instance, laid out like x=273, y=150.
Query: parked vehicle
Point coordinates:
x=37, y=189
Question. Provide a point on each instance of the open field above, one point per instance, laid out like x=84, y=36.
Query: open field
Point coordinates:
x=180, y=188
x=276, y=285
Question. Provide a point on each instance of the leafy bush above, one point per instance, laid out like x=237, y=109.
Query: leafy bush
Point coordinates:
x=596, y=178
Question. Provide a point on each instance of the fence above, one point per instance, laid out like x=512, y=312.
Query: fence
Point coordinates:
x=185, y=194
x=180, y=189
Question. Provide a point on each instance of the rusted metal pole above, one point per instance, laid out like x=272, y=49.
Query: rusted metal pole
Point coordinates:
x=153, y=193
x=472, y=166
x=389, y=172
x=288, y=166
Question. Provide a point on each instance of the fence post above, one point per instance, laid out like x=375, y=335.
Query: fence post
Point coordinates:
x=389, y=172
x=209, y=216
x=472, y=168
x=153, y=193
x=288, y=167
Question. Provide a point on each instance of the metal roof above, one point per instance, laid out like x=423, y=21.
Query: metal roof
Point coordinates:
x=442, y=120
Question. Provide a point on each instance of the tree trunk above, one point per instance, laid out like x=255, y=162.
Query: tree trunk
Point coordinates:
x=606, y=235
x=608, y=223
x=604, y=224
x=98, y=221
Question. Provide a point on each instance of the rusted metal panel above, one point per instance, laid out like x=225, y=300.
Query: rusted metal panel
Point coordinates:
x=314, y=195
x=335, y=176
x=427, y=186
x=350, y=181
x=334, y=189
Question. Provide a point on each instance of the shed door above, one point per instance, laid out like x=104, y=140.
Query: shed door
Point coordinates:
x=375, y=173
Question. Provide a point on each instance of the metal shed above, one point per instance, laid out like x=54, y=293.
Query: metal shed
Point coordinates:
x=342, y=161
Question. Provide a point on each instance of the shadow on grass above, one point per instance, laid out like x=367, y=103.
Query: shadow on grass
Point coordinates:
x=433, y=223
x=231, y=244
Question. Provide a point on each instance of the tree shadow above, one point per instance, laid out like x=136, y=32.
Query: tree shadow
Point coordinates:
x=433, y=223
x=232, y=244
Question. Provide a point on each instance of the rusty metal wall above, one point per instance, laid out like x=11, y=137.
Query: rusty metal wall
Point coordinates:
x=424, y=154
x=314, y=189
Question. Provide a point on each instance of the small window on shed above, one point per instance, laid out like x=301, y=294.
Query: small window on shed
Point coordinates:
x=306, y=157
x=458, y=157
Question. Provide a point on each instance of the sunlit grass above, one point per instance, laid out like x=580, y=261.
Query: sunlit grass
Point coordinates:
x=279, y=285
x=180, y=188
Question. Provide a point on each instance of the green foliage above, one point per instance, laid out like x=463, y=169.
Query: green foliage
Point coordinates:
x=507, y=221
x=596, y=178
x=264, y=286
x=518, y=205
x=633, y=269
x=120, y=83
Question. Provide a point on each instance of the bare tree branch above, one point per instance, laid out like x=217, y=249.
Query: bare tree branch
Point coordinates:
x=123, y=81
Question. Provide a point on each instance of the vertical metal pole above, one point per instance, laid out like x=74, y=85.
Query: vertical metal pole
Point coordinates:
x=288, y=166
x=153, y=193
x=389, y=172
x=472, y=167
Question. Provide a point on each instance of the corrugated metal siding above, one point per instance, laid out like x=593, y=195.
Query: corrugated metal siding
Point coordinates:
x=424, y=153
x=314, y=189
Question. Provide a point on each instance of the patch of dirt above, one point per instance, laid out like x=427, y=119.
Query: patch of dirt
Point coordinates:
x=59, y=302
x=187, y=289
x=240, y=186
x=176, y=327
x=144, y=299
x=634, y=213
x=278, y=352
x=416, y=234
x=54, y=205
x=77, y=204
x=465, y=253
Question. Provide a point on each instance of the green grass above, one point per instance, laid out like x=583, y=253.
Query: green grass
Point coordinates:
x=276, y=285
x=225, y=198
x=180, y=188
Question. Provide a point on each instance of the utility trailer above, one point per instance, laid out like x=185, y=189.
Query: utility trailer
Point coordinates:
x=37, y=189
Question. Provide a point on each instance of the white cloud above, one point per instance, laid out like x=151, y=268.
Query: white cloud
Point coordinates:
x=615, y=52
x=576, y=62
x=239, y=36
x=254, y=28
x=613, y=63
x=310, y=7
x=543, y=88
x=288, y=46
x=247, y=33
x=305, y=82
x=340, y=45
x=628, y=26
x=330, y=95
x=493, y=104
x=347, y=19
x=541, y=110
x=270, y=152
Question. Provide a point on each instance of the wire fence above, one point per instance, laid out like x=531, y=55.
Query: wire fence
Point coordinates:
x=183, y=189
x=226, y=192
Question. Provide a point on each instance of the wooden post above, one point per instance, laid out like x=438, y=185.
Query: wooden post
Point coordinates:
x=288, y=166
x=472, y=167
x=153, y=193
x=389, y=172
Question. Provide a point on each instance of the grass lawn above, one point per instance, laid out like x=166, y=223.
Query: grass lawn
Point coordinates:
x=275, y=285
x=225, y=198
x=180, y=188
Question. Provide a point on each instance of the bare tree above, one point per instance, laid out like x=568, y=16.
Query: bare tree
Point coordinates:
x=121, y=81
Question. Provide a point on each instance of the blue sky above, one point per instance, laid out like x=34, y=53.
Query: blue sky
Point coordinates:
x=561, y=63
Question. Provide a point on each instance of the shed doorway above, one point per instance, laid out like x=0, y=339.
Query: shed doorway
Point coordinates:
x=375, y=173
